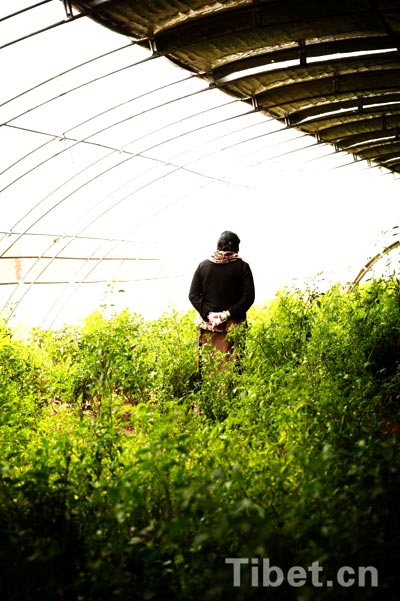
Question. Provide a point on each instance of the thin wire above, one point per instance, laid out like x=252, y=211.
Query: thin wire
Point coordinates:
x=158, y=161
x=257, y=151
x=8, y=123
x=55, y=137
x=70, y=19
x=136, y=227
x=147, y=171
x=62, y=236
x=130, y=156
x=163, y=176
x=149, y=218
x=175, y=169
x=116, y=106
x=211, y=180
x=113, y=149
x=73, y=258
x=51, y=283
x=85, y=140
x=54, y=77
x=83, y=85
x=156, y=180
x=23, y=10
x=91, y=136
x=28, y=154
x=37, y=32
x=67, y=298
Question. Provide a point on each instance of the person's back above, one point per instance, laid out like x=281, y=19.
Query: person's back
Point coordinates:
x=222, y=291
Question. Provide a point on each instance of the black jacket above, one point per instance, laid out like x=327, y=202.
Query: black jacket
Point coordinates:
x=221, y=287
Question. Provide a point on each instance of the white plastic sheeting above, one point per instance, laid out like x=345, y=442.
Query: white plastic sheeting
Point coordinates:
x=118, y=170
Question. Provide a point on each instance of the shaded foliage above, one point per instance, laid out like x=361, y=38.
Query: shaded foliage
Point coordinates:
x=125, y=476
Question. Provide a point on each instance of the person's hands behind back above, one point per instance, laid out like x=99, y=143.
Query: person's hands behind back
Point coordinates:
x=215, y=319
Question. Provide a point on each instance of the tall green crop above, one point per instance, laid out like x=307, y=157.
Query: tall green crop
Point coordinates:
x=125, y=475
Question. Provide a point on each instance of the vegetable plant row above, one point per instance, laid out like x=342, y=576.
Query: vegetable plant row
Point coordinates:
x=128, y=473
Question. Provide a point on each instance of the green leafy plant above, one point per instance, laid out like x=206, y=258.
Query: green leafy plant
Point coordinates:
x=124, y=475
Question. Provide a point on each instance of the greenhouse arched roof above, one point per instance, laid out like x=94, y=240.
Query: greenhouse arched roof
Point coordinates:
x=331, y=69
x=132, y=133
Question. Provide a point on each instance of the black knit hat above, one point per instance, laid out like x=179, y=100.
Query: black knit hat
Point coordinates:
x=228, y=241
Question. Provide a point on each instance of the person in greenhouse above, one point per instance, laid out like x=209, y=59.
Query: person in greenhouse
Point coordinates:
x=222, y=291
